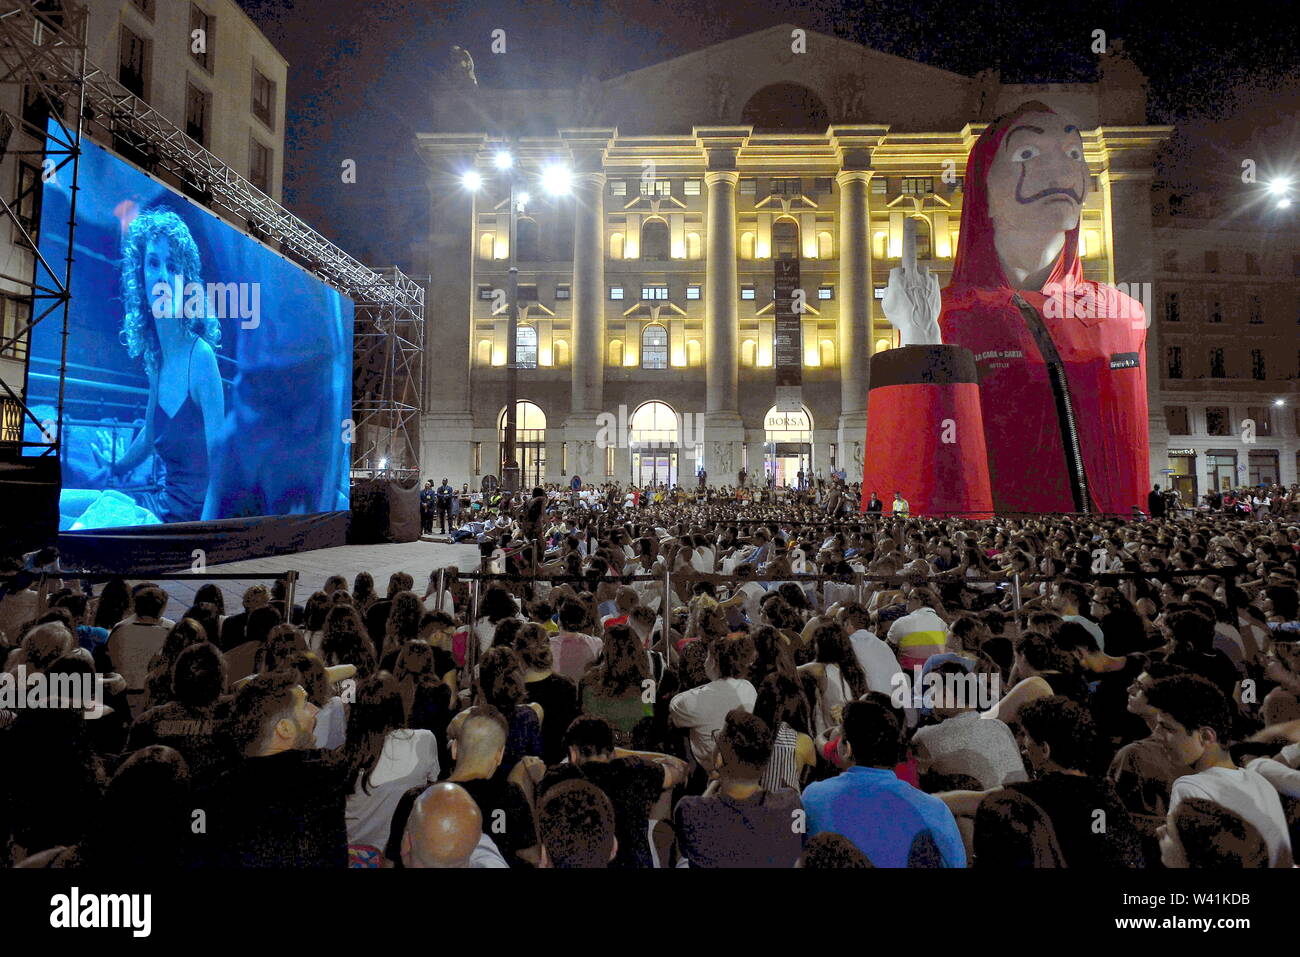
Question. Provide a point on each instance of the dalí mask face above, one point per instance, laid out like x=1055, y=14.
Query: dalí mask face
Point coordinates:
x=1038, y=178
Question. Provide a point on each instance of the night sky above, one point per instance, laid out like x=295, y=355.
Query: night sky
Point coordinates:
x=359, y=76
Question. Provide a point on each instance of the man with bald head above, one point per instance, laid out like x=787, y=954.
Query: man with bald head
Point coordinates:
x=445, y=830
x=478, y=744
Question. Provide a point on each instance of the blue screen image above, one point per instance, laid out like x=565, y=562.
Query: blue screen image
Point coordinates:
x=208, y=377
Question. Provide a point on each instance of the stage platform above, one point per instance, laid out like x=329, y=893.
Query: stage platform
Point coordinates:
x=417, y=559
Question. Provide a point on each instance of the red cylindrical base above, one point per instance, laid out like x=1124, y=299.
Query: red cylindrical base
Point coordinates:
x=925, y=432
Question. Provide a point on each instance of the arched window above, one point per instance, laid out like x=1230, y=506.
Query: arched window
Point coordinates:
x=526, y=347
x=653, y=423
x=880, y=245
x=828, y=353
x=561, y=348
x=748, y=352
x=924, y=248
x=694, y=246
x=654, y=240
x=785, y=239
x=746, y=245
x=530, y=440
x=616, y=352
x=487, y=245
x=616, y=246
x=694, y=352
x=485, y=352
x=530, y=250
x=654, y=347
x=825, y=246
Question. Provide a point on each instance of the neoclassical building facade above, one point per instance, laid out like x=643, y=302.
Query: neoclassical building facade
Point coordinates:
x=647, y=295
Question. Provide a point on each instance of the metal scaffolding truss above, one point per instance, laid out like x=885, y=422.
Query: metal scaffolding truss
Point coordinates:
x=43, y=48
x=388, y=359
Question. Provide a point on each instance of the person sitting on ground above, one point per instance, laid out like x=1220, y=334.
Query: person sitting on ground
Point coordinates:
x=1202, y=834
x=478, y=745
x=575, y=823
x=737, y=822
x=442, y=827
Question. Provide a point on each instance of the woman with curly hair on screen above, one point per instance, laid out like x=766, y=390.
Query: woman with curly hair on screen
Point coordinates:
x=176, y=338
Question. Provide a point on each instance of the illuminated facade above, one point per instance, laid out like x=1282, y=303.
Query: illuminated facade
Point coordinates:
x=653, y=281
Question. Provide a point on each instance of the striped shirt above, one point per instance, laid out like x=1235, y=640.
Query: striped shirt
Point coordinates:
x=782, y=771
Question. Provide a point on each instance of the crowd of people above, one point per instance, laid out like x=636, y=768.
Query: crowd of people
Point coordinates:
x=697, y=683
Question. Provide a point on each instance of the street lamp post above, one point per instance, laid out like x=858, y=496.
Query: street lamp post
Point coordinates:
x=509, y=447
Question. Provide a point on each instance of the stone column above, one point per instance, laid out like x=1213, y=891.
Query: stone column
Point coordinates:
x=855, y=302
x=721, y=292
x=588, y=330
x=447, y=422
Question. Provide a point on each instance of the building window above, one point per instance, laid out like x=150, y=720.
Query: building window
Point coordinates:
x=749, y=187
x=198, y=106
x=1263, y=418
x=526, y=347
x=199, y=20
x=485, y=293
x=918, y=185
x=1216, y=310
x=527, y=241
x=1179, y=423
x=17, y=316
x=1172, y=313
x=654, y=292
x=689, y=188
x=563, y=291
x=959, y=184
x=133, y=63
x=654, y=347
x=1217, y=367
x=746, y=292
x=1255, y=310
x=879, y=290
x=1217, y=420
x=658, y=187
x=618, y=187
x=1211, y=260
x=654, y=241
x=692, y=292
x=259, y=166
x=1258, y=370
x=263, y=98
x=27, y=204
x=880, y=185
x=144, y=6
x=825, y=292
x=527, y=291
x=615, y=292
x=1173, y=358
x=787, y=187
x=785, y=239
x=823, y=184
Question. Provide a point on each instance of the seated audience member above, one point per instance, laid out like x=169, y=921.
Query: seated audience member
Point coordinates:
x=188, y=721
x=501, y=685
x=1011, y=831
x=571, y=650
x=478, y=745
x=441, y=827
x=633, y=780
x=1202, y=834
x=1194, y=720
x=1144, y=771
x=702, y=711
x=736, y=822
x=884, y=817
x=283, y=804
x=233, y=628
x=782, y=705
x=960, y=743
x=827, y=850
x=134, y=642
x=877, y=659
x=615, y=687
x=575, y=822
x=556, y=694
x=384, y=759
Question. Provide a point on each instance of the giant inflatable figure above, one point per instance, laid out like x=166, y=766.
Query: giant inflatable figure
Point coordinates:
x=1022, y=387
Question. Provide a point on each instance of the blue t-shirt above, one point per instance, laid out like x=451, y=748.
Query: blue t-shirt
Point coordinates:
x=887, y=819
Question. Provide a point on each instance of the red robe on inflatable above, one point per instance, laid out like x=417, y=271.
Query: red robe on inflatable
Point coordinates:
x=1065, y=432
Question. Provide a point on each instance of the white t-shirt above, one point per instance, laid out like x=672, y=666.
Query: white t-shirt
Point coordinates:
x=703, y=710
x=1246, y=793
x=877, y=660
x=409, y=759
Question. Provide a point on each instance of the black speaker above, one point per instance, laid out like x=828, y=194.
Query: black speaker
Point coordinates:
x=29, y=489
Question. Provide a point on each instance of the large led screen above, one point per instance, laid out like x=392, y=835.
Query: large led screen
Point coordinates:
x=207, y=376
